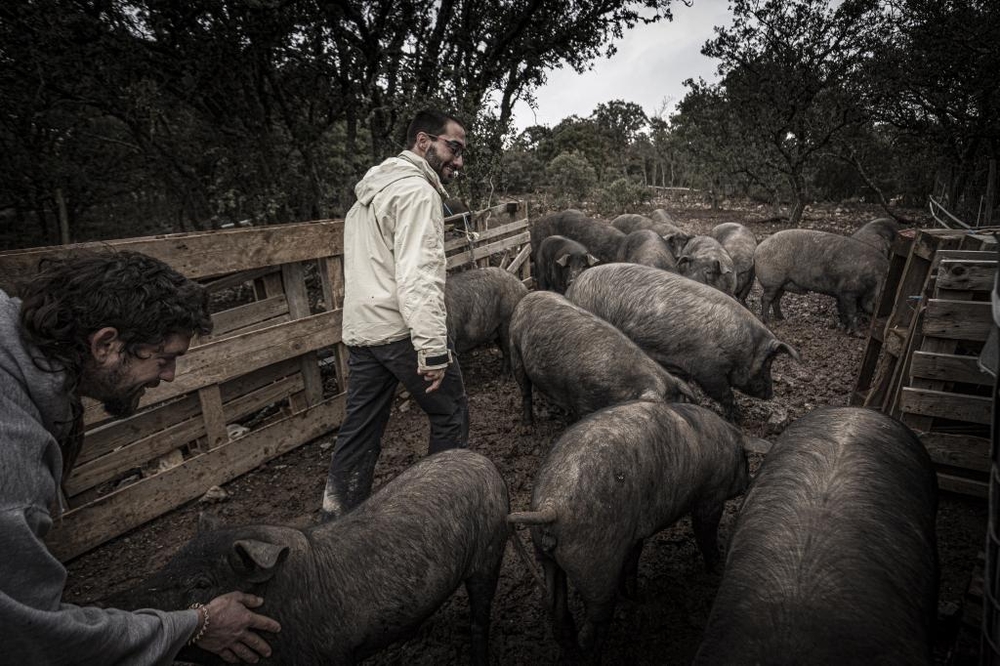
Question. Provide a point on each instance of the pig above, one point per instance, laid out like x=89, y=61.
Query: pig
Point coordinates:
x=803, y=260
x=348, y=587
x=560, y=261
x=740, y=243
x=580, y=361
x=833, y=558
x=675, y=237
x=695, y=331
x=705, y=260
x=646, y=247
x=600, y=238
x=479, y=304
x=880, y=233
x=615, y=479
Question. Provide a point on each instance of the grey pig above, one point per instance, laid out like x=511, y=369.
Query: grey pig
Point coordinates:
x=693, y=330
x=833, y=558
x=646, y=247
x=580, y=361
x=615, y=479
x=346, y=588
x=803, y=260
x=880, y=233
x=704, y=260
x=479, y=303
x=740, y=243
x=600, y=238
x=661, y=223
x=560, y=260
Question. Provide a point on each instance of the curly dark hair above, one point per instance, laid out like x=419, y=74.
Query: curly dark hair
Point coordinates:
x=68, y=299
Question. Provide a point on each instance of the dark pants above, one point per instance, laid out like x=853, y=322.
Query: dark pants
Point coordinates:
x=374, y=374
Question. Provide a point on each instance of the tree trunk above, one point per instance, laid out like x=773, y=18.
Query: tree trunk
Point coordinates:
x=63, y=217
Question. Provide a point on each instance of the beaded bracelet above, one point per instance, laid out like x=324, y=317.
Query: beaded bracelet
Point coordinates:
x=202, y=612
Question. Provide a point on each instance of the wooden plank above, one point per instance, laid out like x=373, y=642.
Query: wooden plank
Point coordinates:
x=519, y=259
x=495, y=232
x=486, y=250
x=108, y=437
x=294, y=278
x=967, y=255
x=941, y=404
x=949, y=367
x=958, y=320
x=236, y=279
x=83, y=528
x=202, y=254
x=250, y=313
x=224, y=359
x=213, y=415
x=963, y=486
x=965, y=451
x=966, y=275
x=142, y=450
x=267, y=285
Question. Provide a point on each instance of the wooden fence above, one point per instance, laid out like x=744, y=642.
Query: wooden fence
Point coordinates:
x=269, y=378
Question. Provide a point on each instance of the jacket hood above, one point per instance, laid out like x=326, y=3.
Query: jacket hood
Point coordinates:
x=17, y=360
x=405, y=165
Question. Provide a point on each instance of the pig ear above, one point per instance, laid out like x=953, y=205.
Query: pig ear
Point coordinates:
x=777, y=347
x=208, y=522
x=257, y=560
x=592, y=260
x=756, y=445
x=563, y=260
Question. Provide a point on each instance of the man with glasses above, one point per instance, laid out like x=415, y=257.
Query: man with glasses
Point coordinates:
x=394, y=312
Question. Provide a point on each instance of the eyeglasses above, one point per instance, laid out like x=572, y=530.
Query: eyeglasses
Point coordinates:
x=454, y=146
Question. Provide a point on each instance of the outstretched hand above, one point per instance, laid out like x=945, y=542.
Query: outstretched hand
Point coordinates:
x=232, y=628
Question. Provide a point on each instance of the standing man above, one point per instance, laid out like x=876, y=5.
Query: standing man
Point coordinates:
x=106, y=327
x=394, y=314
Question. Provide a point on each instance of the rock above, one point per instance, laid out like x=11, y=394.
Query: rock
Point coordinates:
x=777, y=421
x=213, y=495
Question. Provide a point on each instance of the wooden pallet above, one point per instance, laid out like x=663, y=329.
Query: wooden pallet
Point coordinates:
x=920, y=364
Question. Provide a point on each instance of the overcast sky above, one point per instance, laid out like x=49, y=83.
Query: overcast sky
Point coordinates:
x=651, y=63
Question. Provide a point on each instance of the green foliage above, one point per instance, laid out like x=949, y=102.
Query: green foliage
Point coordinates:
x=571, y=178
x=622, y=195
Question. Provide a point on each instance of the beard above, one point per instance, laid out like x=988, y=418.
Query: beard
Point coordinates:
x=438, y=164
x=115, y=396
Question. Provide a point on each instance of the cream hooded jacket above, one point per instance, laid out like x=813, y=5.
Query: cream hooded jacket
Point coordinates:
x=394, y=260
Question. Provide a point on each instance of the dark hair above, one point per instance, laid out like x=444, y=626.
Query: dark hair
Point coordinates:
x=71, y=298
x=429, y=121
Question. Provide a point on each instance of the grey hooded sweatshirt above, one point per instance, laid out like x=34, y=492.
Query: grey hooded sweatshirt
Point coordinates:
x=35, y=626
x=394, y=260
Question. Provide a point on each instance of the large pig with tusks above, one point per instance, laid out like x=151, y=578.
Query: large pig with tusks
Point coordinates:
x=348, y=587
x=804, y=260
x=579, y=361
x=693, y=330
x=833, y=557
x=612, y=481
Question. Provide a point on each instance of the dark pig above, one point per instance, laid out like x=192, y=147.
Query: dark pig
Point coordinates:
x=479, y=304
x=600, y=238
x=646, y=247
x=803, y=260
x=675, y=237
x=833, y=558
x=346, y=588
x=880, y=233
x=693, y=330
x=740, y=243
x=560, y=261
x=615, y=479
x=580, y=361
x=704, y=260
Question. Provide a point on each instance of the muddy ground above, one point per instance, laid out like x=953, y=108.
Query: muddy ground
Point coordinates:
x=664, y=624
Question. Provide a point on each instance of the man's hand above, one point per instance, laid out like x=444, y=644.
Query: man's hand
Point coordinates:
x=433, y=376
x=232, y=628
